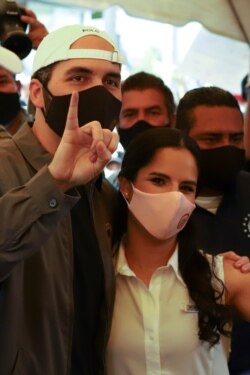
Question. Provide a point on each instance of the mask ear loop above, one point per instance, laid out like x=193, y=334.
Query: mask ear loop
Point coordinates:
x=47, y=100
x=47, y=96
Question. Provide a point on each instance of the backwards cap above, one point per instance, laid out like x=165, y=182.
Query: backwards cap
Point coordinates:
x=10, y=61
x=56, y=47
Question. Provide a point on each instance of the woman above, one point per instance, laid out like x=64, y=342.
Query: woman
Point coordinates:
x=171, y=313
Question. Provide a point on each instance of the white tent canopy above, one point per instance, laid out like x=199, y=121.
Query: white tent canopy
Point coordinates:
x=226, y=17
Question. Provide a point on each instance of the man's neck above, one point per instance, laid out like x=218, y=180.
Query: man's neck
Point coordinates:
x=15, y=124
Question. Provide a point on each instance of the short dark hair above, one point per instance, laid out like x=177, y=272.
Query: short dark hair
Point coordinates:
x=209, y=96
x=143, y=81
x=44, y=74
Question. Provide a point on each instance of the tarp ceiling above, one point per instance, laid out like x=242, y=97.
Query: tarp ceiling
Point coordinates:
x=226, y=17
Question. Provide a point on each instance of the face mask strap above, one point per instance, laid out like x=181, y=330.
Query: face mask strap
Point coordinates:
x=47, y=96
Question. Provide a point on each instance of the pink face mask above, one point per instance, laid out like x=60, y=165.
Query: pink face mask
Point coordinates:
x=162, y=215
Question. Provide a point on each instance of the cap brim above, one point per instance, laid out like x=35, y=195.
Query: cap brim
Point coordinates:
x=10, y=61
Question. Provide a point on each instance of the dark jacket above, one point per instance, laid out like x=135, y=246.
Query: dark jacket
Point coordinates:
x=229, y=229
x=36, y=261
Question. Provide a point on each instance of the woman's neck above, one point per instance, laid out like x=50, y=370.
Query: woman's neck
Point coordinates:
x=144, y=253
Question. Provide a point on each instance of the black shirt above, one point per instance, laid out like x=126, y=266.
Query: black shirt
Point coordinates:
x=88, y=288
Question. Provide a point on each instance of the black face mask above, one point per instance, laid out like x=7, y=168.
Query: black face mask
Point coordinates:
x=126, y=135
x=9, y=107
x=219, y=167
x=95, y=103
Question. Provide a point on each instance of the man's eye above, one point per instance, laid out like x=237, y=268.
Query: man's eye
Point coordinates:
x=210, y=140
x=4, y=81
x=155, y=113
x=127, y=114
x=112, y=82
x=237, y=138
x=78, y=78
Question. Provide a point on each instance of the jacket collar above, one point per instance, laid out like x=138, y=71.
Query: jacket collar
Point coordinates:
x=30, y=148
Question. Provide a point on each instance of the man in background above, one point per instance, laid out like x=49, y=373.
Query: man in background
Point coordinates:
x=146, y=102
x=13, y=111
x=212, y=117
x=11, y=114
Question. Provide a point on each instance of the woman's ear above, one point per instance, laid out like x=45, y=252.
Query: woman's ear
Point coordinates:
x=125, y=188
x=36, y=93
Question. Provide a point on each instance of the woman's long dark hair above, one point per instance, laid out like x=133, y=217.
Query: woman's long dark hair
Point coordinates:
x=193, y=265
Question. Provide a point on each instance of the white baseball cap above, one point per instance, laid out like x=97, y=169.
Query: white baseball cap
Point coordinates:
x=10, y=61
x=56, y=47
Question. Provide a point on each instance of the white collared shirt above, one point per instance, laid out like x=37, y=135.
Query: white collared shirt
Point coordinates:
x=210, y=204
x=155, y=329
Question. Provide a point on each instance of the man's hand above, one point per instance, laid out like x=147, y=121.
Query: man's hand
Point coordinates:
x=240, y=262
x=83, y=151
x=37, y=31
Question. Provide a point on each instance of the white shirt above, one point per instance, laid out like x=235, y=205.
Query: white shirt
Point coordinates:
x=209, y=203
x=155, y=329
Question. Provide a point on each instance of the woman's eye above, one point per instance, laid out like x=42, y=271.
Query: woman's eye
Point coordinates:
x=188, y=189
x=158, y=181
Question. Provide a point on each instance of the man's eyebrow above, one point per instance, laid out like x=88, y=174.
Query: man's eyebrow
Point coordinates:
x=78, y=70
x=113, y=75
x=129, y=109
x=151, y=107
x=4, y=76
x=219, y=133
x=84, y=70
x=236, y=133
x=213, y=134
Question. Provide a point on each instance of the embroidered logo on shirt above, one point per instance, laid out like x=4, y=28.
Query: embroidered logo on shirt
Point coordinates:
x=246, y=225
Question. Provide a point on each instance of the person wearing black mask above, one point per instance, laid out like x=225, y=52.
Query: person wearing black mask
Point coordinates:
x=56, y=270
x=11, y=113
x=212, y=117
x=146, y=102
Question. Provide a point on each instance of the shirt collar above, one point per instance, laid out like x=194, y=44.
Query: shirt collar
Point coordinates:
x=123, y=268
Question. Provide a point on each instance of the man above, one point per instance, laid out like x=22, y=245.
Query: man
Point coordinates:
x=146, y=102
x=213, y=118
x=57, y=281
x=12, y=111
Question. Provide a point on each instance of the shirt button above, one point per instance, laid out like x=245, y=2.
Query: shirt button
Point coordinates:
x=53, y=203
